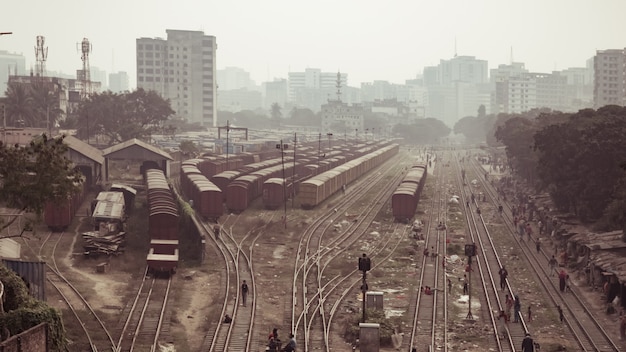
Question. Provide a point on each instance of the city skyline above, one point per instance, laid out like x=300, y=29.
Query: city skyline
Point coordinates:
x=368, y=42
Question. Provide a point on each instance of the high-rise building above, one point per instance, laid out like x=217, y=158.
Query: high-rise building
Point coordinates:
x=98, y=75
x=275, y=92
x=10, y=65
x=312, y=88
x=466, y=69
x=609, y=77
x=231, y=78
x=118, y=82
x=182, y=69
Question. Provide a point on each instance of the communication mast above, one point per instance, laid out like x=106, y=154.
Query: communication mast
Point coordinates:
x=41, y=53
x=84, y=75
x=338, y=86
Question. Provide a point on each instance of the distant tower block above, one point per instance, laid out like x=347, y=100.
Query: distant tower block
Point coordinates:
x=41, y=54
x=84, y=75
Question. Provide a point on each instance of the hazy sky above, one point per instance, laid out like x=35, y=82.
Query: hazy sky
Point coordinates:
x=369, y=40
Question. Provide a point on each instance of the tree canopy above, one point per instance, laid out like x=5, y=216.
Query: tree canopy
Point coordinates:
x=123, y=116
x=34, y=174
x=422, y=131
x=575, y=157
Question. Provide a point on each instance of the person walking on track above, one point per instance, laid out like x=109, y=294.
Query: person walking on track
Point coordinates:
x=552, y=263
x=503, y=275
x=528, y=345
x=244, y=292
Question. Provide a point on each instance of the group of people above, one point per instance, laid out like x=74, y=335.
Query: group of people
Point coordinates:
x=274, y=344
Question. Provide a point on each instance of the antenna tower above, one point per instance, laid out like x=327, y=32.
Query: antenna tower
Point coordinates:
x=338, y=86
x=85, y=76
x=41, y=54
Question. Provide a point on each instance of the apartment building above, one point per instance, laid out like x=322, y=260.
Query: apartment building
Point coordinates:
x=609, y=67
x=182, y=69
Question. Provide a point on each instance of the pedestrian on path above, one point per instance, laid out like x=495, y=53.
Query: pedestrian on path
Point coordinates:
x=538, y=245
x=528, y=345
x=517, y=306
x=244, y=292
x=562, y=278
x=530, y=314
x=503, y=275
x=560, y=313
x=552, y=263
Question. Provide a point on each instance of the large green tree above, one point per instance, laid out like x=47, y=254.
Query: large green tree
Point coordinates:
x=19, y=106
x=120, y=117
x=35, y=174
x=422, y=131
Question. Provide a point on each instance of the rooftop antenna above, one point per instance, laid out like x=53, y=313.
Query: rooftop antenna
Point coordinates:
x=338, y=86
x=85, y=76
x=41, y=54
x=512, y=55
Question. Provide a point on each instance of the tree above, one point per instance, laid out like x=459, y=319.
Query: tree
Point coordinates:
x=121, y=117
x=422, y=131
x=276, y=114
x=35, y=174
x=45, y=105
x=18, y=105
x=189, y=148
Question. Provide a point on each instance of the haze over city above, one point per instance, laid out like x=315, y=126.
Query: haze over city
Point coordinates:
x=366, y=39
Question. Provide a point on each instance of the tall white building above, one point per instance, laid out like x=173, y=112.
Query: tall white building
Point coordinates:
x=182, y=69
x=609, y=77
x=275, y=92
x=231, y=78
x=312, y=88
x=465, y=69
x=118, y=82
x=10, y=65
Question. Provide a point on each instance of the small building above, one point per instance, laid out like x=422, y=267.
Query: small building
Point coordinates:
x=88, y=159
x=136, y=150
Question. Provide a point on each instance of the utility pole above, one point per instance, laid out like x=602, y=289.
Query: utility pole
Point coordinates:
x=365, y=265
x=470, y=251
x=227, y=130
x=293, y=179
x=282, y=148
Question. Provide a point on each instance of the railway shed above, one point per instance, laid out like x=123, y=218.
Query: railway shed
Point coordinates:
x=88, y=159
x=136, y=150
x=602, y=259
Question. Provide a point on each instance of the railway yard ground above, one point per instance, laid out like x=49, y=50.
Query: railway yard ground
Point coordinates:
x=195, y=297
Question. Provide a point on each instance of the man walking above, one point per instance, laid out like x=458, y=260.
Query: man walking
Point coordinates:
x=503, y=274
x=552, y=263
x=244, y=292
x=528, y=345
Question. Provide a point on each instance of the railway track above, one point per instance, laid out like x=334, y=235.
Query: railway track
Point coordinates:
x=98, y=337
x=312, y=307
x=487, y=264
x=584, y=326
x=238, y=335
x=429, y=307
x=142, y=328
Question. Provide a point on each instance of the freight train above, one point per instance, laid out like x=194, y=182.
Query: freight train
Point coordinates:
x=319, y=188
x=163, y=224
x=406, y=197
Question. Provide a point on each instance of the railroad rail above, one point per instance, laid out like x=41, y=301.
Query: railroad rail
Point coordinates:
x=310, y=314
x=97, y=335
x=146, y=315
x=584, y=326
x=429, y=308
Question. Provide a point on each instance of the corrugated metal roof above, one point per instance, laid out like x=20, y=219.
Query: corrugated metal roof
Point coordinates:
x=132, y=142
x=34, y=273
x=85, y=149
